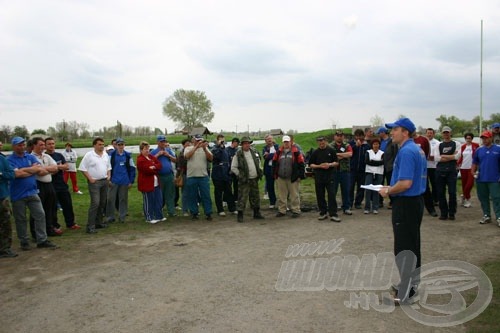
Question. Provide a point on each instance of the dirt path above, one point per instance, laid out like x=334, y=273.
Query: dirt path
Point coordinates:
x=219, y=276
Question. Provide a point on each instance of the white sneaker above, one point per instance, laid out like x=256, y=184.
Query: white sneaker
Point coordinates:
x=322, y=217
x=467, y=203
x=163, y=219
x=185, y=214
x=485, y=219
x=265, y=197
x=79, y=192
x=152, y=221
x=235, y=212
x=271, y=206
x=222, y=214
x=335, y=218
x=375, y=211
x=366, y=212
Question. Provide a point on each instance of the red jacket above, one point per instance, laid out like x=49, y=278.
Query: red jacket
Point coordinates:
x=146, y=178
x=474, y=147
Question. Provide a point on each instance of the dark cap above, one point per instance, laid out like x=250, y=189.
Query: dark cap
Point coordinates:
x=119, y=140
x=339, y=132
x=320, y=138
x=198, y=137
x=246, y=139
x=161, y=138
x=235, y=140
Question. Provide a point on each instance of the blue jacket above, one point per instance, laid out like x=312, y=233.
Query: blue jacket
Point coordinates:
x=221, y=163
x=268, y=160
x=6, y=175
x=166, y=163
x=358, y=163
x=121, y=173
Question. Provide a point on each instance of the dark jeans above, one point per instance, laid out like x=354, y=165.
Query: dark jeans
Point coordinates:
x=320, y=188
x=447, y=179
x=98, y=193
x=66, y=202
x=357, y=179
x=431, y=176
x=407, y=215
x=222, y=192
x=371, y=197
x=270, y=188
x=342, y=178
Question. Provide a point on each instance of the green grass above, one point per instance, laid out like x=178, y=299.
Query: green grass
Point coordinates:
x=488, y=320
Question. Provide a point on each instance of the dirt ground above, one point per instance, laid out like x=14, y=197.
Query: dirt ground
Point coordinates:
x=216, y=276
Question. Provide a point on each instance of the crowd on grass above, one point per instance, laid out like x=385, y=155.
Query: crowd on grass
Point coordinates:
x=35, y=178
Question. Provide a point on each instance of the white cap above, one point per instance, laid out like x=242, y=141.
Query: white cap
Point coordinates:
x=286, y=138
x=110, y=147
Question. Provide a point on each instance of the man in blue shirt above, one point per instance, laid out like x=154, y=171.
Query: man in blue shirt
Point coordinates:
x=24, y=194
x=486, y=160
x=166, y=156
x=122, y=178
x=6, y=175
x=408, y=183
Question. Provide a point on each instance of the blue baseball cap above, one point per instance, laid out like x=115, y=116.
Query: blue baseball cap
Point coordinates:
x=119, y=140
x=161, y=138
x=198, y=137
x=17, y=140
x=403, y=122
x=495, y=125
x=382, y=130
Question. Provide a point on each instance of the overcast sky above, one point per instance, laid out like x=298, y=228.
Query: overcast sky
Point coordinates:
x=301, y=65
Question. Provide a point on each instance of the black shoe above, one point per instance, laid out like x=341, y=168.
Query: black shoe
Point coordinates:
x=451, y=217
x=209, y=217
x=443, y=217
x=25, y=246
x=280, y=214
x=47, y=245
x=357, y=206
x=433, y=214
x=240, y=216
x=295, y=215
x=8, y=254
x=194, y=217
x=101, y=226
x=412, y=298
x=91, y=231
x=257, y=215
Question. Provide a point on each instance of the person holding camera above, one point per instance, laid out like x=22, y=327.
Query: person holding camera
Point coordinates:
x=221, y=177
x=197, y=182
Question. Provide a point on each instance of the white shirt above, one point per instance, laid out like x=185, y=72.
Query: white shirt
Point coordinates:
x=467, y=157
x=96, y=165
x=433, y=143
x=45, y=160
x=70, y=157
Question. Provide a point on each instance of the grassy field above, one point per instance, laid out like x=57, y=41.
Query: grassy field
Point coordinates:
x=486, y=322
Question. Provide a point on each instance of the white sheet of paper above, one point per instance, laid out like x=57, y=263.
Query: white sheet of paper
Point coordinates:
x=372, y=187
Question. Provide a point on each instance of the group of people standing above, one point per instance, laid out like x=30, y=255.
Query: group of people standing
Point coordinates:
x=38, y=178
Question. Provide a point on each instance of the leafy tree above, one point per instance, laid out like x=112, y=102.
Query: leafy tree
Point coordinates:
x=189, y=108
x=39, y=131
x=5, y=132
x=21, y=131
x=377, y=121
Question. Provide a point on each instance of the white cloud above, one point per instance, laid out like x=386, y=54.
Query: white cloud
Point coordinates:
x=263, y=64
